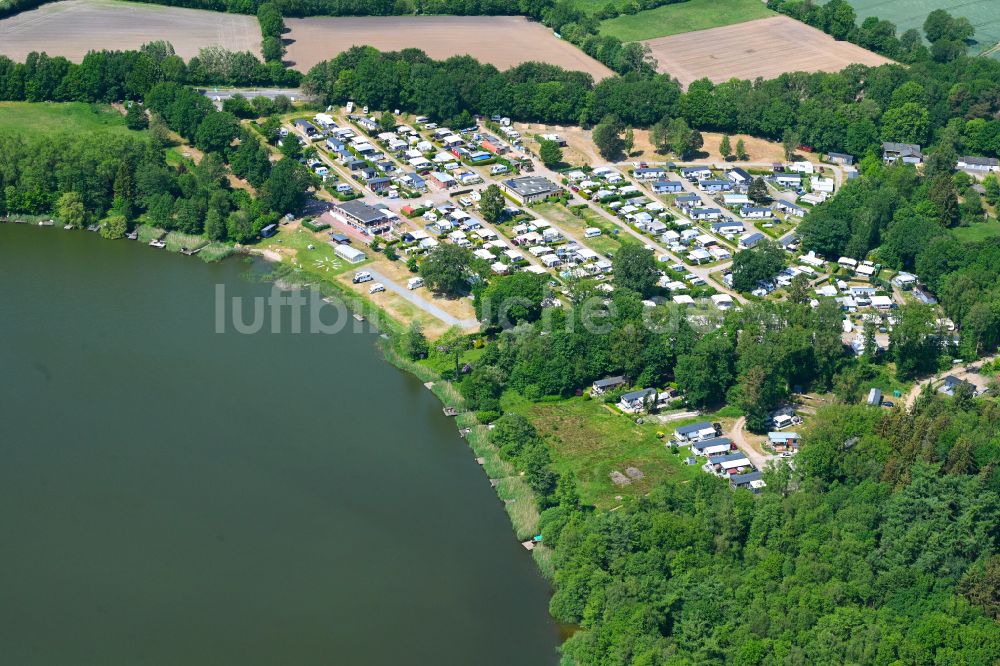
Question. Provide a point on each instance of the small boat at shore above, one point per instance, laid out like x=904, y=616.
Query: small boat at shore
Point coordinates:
x=358, y=317
x=47, y=223
x=67, y=227
x=156, y=242
x=94, y=227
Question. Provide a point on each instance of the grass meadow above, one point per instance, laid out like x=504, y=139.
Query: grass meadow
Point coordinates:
x=51, y=117
x=683, y=17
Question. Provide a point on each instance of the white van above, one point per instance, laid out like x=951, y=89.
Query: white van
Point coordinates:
x=376, y=288
x=498, y=169
x=362, y=276
x=415, y=283
x=591, y=232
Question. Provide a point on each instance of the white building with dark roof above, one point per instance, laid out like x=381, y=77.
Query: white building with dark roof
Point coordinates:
x=979, y=164
x=529, y=189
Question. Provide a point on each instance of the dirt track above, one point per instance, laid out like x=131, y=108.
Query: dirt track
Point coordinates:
x=74, y=27
x=504, y=41
x=765, y=47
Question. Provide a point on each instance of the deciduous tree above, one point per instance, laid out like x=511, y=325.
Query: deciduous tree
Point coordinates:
x=446, y=269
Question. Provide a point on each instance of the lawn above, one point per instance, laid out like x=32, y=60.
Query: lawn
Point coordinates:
x=683, y=17
x=49, y=117
x=978, y=231
x=592, y=440
x=293, y=244
x=606, y=243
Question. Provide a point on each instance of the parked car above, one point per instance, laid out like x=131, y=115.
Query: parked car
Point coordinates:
x=376, y=288
x=362, y=276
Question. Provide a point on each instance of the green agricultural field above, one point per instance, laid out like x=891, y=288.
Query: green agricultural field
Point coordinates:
x=906, y=14
x=684, y=17
x=59, y=117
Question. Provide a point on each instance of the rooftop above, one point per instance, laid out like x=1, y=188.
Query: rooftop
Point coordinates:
x=531, y=185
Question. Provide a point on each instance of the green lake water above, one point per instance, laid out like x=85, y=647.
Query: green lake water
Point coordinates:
x=173, y=496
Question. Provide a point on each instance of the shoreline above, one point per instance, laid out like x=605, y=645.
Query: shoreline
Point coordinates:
x=509, y=487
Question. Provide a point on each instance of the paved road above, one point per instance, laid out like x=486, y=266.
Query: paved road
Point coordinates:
x=422, y=303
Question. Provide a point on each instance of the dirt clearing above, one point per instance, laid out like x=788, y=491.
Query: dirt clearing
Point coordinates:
x=503, y=41
x=74, y=27
x=765, y=47
x=581, y=150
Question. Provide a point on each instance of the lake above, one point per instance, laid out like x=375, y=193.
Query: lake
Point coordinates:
x=170, y=495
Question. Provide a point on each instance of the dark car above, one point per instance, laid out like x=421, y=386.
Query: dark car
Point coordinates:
x=888, y=404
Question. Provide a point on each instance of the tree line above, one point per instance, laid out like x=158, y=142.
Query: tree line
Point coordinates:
x=948, y=36
x=92, y=178
x=299, y=8
x=113, y=76
x=272, y=27
x=850, y=111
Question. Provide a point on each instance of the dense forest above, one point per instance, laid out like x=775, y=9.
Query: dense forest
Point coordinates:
x=880, y=548
x=118, y=180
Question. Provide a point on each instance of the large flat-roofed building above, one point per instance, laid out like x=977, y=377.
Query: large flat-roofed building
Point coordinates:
x=529, y=189
x=361, y=216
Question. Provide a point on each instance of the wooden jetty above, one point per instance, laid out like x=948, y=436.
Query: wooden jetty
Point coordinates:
x=190, y=253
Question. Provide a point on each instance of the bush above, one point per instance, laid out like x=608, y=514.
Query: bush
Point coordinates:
x=487, y=416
